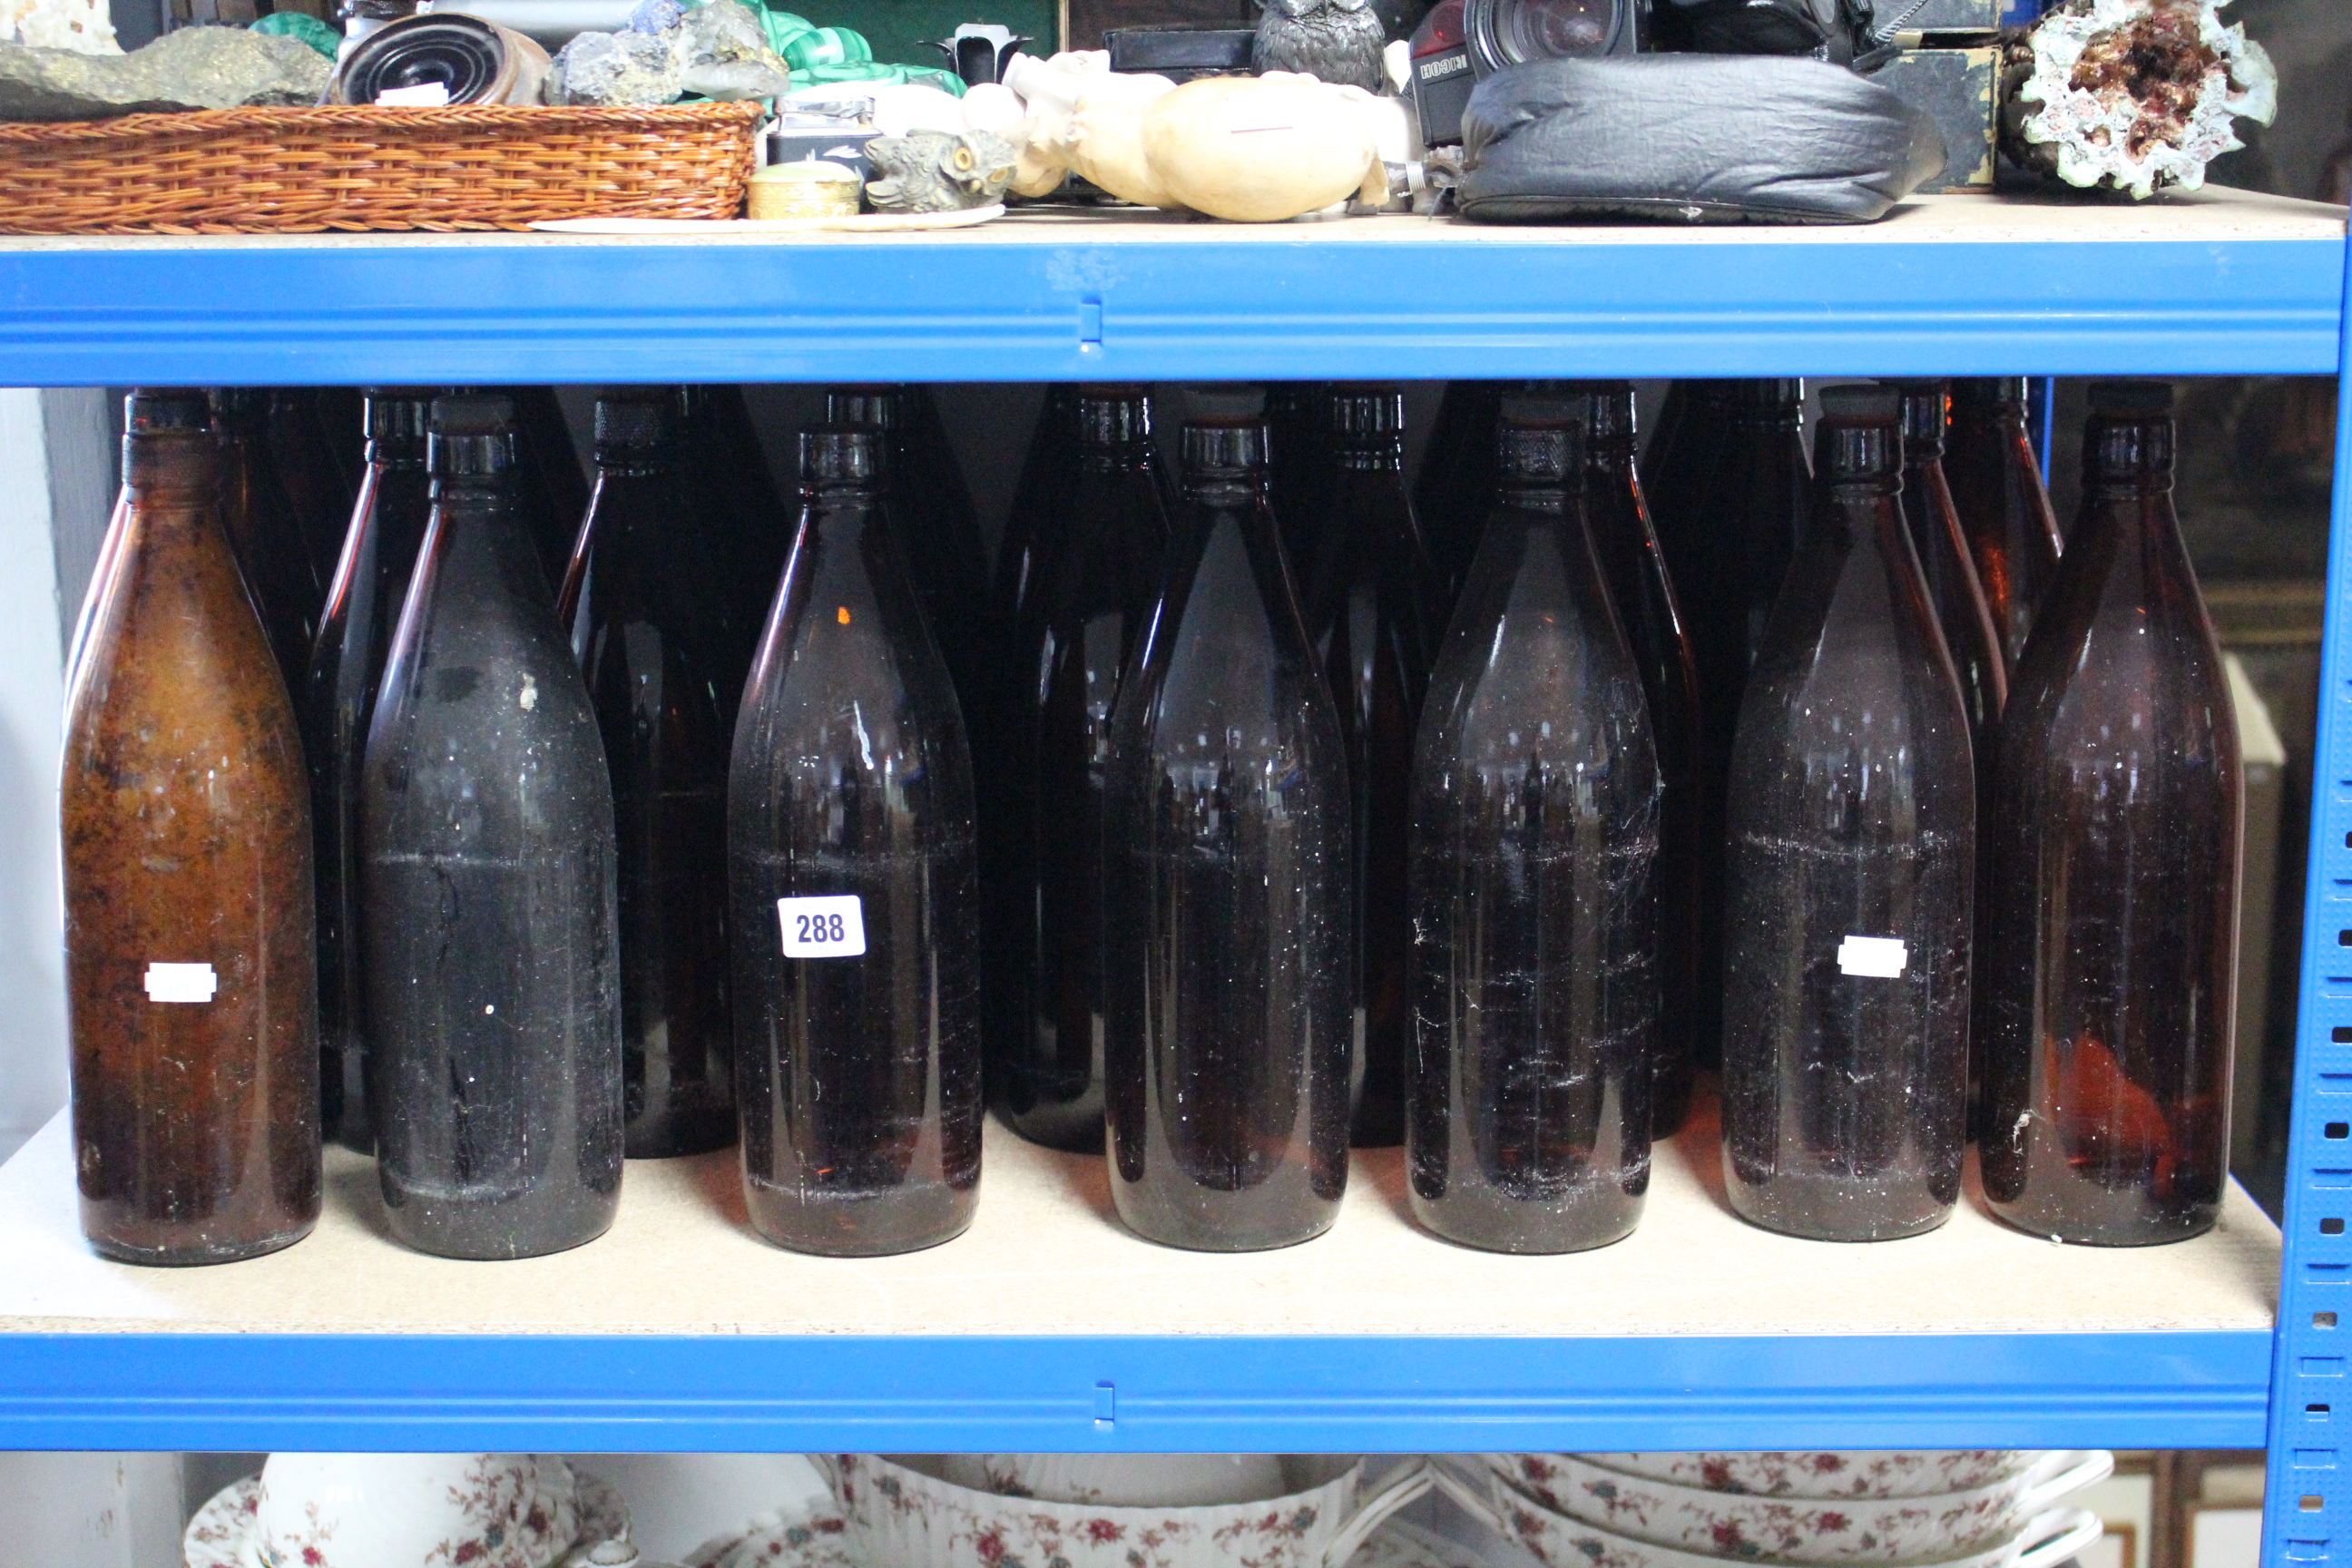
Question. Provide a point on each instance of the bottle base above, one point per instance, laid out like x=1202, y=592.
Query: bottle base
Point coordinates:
x=1534, y=1235
x=1202, y=1233
x=863, y=1225
x=493, y=1233
x=2145, y=1230
x=1073, y=1127
x=198, y=1256
x=1834, y=1210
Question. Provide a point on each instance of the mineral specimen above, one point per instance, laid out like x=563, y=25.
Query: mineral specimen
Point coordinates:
x=81, y=25
x=195, y=67
x=938, y=171
x=608, y=71
x=2133, y=95
x=723, y=53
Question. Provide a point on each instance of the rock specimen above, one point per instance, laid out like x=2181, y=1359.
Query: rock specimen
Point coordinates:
x=937, y=171
x=608, y=71
x=195, y=67
x=81, y=25
x=2132, y=95
x=723, y=53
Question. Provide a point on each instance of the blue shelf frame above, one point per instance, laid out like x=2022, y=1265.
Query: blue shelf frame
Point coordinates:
x=503, y=311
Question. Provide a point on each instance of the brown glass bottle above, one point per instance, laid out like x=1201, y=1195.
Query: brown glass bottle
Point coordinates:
x=1102, y=540
x=1639, y=587
x=1228, y=907
x=271, y=548
x=311, y=470
x=486, y=833
x=742, y=524
x=186, y=827
x=337, y=704
x=1678, y=467
x=2107, y=973
x=1728, y=556
x=550, y=490
x=1945, y=562
x=1455, y=490
x=1369, y=594
x=1535, y=831
x=1996, y=480
x=650, y=622
x=1299, y=456
x=852, y=872
x=1043, y=466
x=1852, y=809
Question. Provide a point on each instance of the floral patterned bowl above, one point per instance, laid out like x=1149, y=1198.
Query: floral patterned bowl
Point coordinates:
x=2045, y=1541
x=413, y=1511
x=901, y=1513
x=1829, y=1473
x=1815, y=1531
x=1136, y=1480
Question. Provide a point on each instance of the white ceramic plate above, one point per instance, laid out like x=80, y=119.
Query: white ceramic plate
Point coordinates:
x=222, y=1533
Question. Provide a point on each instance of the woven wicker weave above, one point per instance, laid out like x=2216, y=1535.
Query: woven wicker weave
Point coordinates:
x=275, y=171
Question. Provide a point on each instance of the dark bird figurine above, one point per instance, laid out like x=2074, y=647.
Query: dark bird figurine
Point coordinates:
x=1337, y=40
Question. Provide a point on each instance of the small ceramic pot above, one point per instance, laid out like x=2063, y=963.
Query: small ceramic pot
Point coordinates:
x=2045, y=1541
x=1123, y=1480
x=902, y=1513
x=1829, y=1473
x=1861, y=1530
x=413, y=1511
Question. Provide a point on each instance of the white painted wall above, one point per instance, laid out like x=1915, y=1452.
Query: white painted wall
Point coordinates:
x=90, y=1511
x=48, y=444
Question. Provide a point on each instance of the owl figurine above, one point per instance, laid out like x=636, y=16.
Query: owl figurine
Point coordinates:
x=1337, y=40
x=938, y=171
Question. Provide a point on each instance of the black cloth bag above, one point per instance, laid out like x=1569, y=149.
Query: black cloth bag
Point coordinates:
x=1690, y=139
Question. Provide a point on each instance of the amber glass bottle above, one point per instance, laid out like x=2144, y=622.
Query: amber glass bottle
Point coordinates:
x=1852, y=808
x=1678, y=468
x=853, y=874
x=1225, y=1054
x=1455, y=491
x=186, y=826
x=485, y=821
x=1945, y=562
x=339, y=703
x=272, y=550
x=1053, y=445
x=1102, y=540
x=1298, y=456
x=1644, y=594
x=550, y=490
x=1370, y=598
x=313, y=469
x=649, y=619
x=2107, y=981
x=1535, y=831
x=741, y=522
x=1996, y=481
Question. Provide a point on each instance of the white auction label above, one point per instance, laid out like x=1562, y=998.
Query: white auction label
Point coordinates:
x=831, y=926
x=181, y=983
x=1874, y=957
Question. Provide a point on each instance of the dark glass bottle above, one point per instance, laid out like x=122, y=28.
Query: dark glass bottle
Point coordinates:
x=1738, y=532
x=1535, y=835
x=1299, y=458
x=1103, y=543
x=1226, y=1052
x=319, y=488
x=1996, y=480
x=1644, y=594
x=550, y=490
x=1456, y=487
x=1369, y=605
x=339, y=703
x=271, y=548
x=488, y=943
x=938, y=532
x=741, y=522
x=1852, y=809
x=1053, y=446
x=647, y=612
x=852, y=873
x=1945, y=563
x=2114, y=834
x=186, y=837
x=1679, y=468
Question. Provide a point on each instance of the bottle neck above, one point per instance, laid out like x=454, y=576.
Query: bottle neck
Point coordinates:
x=403, y=454
x=634, y=464
x=1381, y=456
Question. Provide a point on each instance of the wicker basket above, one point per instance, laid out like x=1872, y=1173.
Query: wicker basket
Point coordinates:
x=279, y=171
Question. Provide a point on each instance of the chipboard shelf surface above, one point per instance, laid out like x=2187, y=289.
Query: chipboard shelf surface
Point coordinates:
x=1048, y=1297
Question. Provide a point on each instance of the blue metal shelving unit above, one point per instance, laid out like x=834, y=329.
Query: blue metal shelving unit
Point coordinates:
x=1086, y=303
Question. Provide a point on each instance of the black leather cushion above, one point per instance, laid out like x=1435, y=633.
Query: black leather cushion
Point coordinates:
x=1690, y=139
